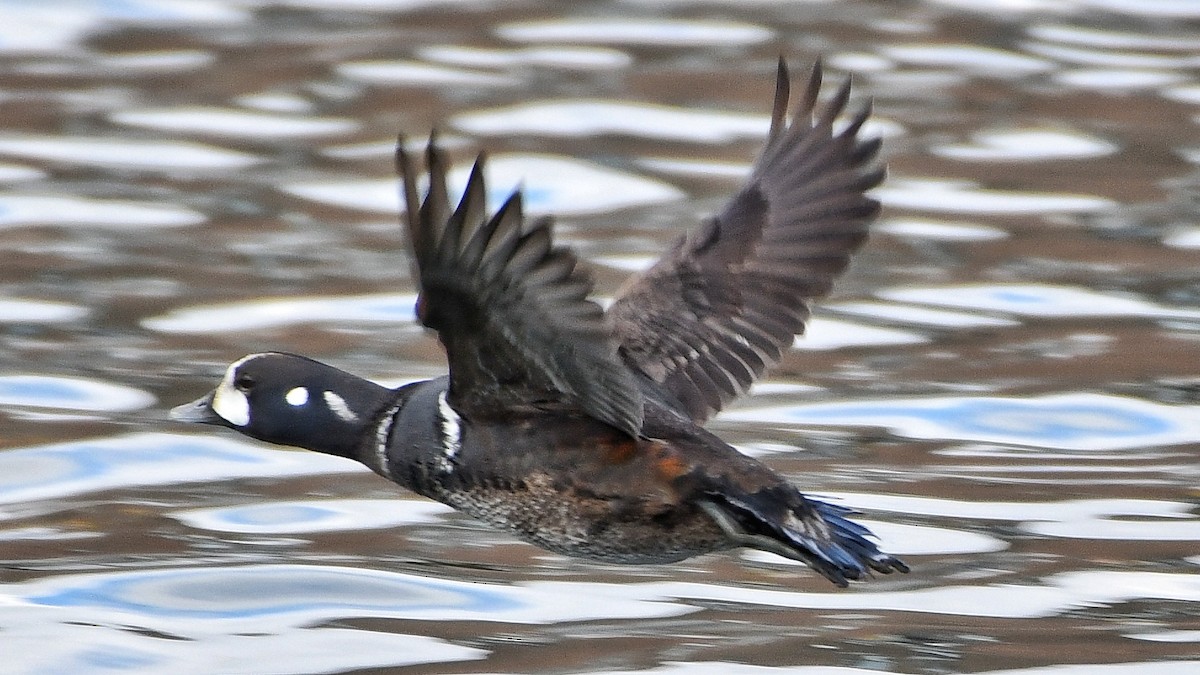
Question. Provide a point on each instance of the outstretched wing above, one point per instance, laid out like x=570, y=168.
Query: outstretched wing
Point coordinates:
x=709, y=317
x=510, y=308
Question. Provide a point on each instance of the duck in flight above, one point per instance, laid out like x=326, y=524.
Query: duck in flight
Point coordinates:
x=581, y=430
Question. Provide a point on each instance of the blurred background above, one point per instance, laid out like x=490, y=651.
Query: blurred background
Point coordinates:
x=1006, y=381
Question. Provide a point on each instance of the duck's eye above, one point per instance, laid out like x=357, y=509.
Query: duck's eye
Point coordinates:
x=244, y=382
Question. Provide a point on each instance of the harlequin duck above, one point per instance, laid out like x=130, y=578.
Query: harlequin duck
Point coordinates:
x=579, y=429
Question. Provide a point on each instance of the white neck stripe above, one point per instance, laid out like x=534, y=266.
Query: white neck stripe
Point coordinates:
x=383, y=434
x=339, y=407
x=451, y=433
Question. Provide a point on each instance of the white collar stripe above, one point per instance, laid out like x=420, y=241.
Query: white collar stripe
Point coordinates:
x=383, y=434
x=451, y=432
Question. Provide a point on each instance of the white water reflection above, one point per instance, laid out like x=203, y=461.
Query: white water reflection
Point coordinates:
x=1037, y=300
x=695, y=167
x=157, y=61
x=1096, y=519
x=1087, y=36
x=16, y=173
x=654, y=32
x=1110, y=57
x=940, y=230
x=860, y=62
x=22, y=310
x=386, y=148
x=45, y=27
x=556, y=57
x=1054, y=596
x=1184, y=238
x=596, y=117
x=387, y=6
x=410, y=73
x=1188, y=93
x=275, y=598
x=825, y=333
x=549, y=184
x=1071, y=421
x=917, y=84
x=1102, y=79
x=28, y=210
x=920, y=316
x=70, y=393
x=1178, y=9
x=43, y=533
x=269, y=618
x=125, y=152
x=324, y=515
x=282, y=599
x=975, y=59
x=1026, y=145
x=907, y=540
x=960, y=196
x=729, y=668
x=234, y=123
x=1167, y=636
x=263, y=314
x=276, y=102
x=104, y=647
x=1183, y=527
x=629, y=263
x=1069, y=510
x=88, y=465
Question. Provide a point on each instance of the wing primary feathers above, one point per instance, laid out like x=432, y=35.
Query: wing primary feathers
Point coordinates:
x=783, y=85
x=504, y=232
x=412, y=201
x=434, y=219
x=808, y=101
x=856, y=121
x=510, y=308
x=472, y=209
x=836, y=105
x=720, y=307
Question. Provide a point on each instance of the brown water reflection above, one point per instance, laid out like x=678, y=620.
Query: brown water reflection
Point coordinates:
x=158, y=213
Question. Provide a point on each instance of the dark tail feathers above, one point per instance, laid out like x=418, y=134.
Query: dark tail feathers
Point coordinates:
x=785, y=522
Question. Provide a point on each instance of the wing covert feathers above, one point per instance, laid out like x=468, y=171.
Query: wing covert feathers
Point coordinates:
x=510, y=308
x=720, y=307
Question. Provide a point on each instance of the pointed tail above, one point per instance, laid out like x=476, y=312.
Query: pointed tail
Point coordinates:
x=783, y=521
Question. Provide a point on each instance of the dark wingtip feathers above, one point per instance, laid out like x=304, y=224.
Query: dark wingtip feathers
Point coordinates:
x=808, y=102
x=497, y=285
x=783, y=88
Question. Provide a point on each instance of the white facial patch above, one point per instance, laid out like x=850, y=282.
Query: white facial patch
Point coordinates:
x=231, y=404
x=296, y=397
x=339, y=407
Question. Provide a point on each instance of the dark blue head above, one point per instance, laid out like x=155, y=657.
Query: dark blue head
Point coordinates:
x=291, y=400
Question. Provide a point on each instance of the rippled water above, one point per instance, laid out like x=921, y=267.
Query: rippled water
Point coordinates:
x=1006, y=382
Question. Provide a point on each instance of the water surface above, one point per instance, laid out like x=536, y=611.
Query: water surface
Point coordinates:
x=1005, y=382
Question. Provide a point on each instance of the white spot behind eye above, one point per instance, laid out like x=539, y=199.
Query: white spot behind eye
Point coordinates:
x=339, y=407
x=296, y=397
